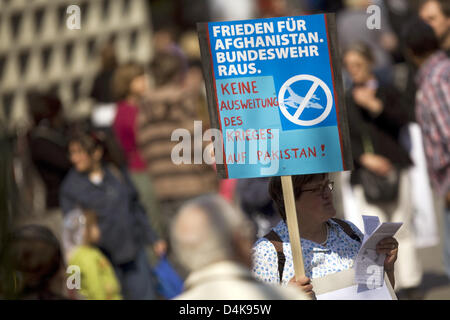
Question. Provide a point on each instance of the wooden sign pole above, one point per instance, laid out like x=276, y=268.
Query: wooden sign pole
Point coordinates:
x=292, y=223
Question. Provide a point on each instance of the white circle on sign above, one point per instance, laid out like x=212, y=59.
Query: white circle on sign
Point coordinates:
x=295, y=118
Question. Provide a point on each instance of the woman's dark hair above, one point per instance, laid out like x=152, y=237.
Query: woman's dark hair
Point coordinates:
x=88, y=140
x=420, y=38
x=276, y=190
x=108, y=56
x=91, y=140
x=36, y=258
x=43, y=105
x=363, y=49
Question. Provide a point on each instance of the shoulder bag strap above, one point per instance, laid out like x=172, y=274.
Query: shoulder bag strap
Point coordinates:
x=276, y=241
x=347, y=229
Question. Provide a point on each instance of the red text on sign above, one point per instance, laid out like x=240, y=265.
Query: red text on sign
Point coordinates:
x=233, y=121
x=239, y=87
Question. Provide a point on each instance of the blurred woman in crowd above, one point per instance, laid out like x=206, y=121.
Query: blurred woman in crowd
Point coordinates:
x=130, y=85
x=96, y=184
x=102, y=90
x=47, y=142
x=380, y=181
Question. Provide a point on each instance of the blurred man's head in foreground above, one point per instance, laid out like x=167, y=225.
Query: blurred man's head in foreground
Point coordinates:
x=208, y=230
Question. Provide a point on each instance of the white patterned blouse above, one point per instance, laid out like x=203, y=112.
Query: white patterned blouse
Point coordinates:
x=337, y=254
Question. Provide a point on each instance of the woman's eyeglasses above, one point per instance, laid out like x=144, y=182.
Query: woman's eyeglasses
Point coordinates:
x=322, y=188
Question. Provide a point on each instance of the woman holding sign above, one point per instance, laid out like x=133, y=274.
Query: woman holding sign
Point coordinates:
x=329, y=245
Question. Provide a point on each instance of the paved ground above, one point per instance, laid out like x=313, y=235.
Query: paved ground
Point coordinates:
x=435, y=284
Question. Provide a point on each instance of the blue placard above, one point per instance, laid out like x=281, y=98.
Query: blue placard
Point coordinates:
x=273, y=95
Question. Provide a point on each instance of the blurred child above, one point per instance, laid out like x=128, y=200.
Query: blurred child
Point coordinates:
x=98, y=280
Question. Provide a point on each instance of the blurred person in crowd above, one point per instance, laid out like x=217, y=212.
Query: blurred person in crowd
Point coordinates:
x=376, y=115
x=232, y=9
x=213, y=242
x=194, y=85
x=48, y=142
x=165, y=42
x=437, y=14
x=9, y=210
x=254, y=199
x=38, y=264
x=187, y=13
x=102, y=89
x=48, y=147
x=398, y=12
x=433, y=114
x=329, y=245
x=277, y=8
x=193, y=81
x=171, y=106
x=103, y=93
x=189, y=45
x=95, y=183
x=130, y=85
x=81, y=234
x=352, y=27
x=314, y=6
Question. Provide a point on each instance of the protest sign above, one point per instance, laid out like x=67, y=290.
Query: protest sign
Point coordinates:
x=275, y=92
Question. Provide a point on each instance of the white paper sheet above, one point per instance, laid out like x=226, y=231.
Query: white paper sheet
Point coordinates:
x=369, y=270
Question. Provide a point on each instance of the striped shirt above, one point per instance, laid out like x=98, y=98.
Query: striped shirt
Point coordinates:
x=433, y=116
x=156, y=123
